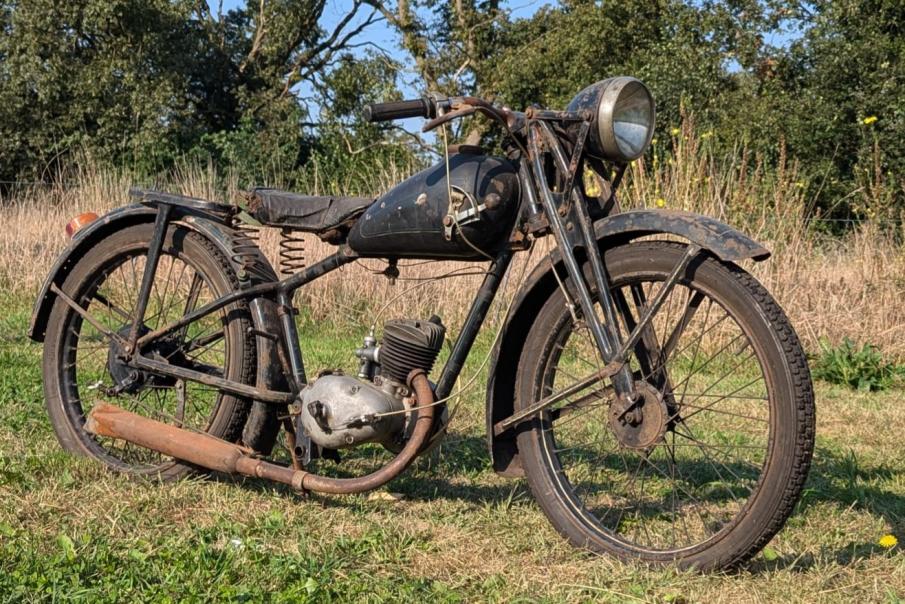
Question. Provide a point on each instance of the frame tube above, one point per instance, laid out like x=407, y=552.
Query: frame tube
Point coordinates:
x=476, y=315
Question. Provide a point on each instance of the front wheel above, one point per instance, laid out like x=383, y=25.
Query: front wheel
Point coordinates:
x=707, y=463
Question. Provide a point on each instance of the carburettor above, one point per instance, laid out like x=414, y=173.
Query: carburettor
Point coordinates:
x=340, y=411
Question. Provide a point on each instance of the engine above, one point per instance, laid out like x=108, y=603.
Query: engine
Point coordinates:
x=340, y=411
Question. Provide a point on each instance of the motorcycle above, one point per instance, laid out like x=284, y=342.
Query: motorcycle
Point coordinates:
x=692, y=395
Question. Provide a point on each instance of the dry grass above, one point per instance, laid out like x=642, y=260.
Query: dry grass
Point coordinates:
x=459, y=533
x=831, y=286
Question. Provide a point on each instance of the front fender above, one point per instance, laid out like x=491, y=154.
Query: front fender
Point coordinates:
x=263, y=422
x=720, y=239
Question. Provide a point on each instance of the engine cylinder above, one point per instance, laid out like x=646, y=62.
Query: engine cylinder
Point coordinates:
x=410, y=344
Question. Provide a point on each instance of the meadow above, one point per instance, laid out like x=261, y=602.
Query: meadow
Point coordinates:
x=450, y=529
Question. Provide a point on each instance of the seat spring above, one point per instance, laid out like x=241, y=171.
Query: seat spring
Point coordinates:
x=292, y=252
x=245, y=244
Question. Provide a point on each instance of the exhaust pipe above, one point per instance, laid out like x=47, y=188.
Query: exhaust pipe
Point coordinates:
x=196, y=448
x=215, y=454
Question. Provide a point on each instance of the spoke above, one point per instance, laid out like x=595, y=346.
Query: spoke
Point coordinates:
x=737, y=396
x=741, y=415
x=192, y=299
x=663, y=474
x=579, y=357
x=671, y=456
x=702, y=446
x=719, y=400
x=691, y=307
x=695, y=372
x=196, y=343
x=111, y=307
x=585, y=402
x=719, y=447
x=723, y=481
x=628, y=488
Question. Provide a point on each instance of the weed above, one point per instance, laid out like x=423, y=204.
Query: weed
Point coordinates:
x=862, y=368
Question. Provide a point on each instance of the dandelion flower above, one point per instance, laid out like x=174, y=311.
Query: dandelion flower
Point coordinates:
x=675, y=131
x=870, y=119
x=888, y=541
x=661, y=203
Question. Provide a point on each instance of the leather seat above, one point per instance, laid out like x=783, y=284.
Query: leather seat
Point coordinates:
x=311, y=213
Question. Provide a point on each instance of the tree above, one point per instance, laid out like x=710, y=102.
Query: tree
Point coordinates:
x=144, y=81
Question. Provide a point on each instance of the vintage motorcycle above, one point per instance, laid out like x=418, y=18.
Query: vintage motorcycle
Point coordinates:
x=651, y=391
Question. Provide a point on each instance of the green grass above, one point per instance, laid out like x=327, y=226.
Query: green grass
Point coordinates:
x=71, y=531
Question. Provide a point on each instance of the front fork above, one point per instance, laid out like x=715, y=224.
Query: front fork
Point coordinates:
x=572, y=228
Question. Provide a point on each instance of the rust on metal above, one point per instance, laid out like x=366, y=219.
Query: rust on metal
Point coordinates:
x=215, y=454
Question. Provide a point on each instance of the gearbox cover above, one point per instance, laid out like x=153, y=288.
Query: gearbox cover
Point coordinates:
x=340, y=411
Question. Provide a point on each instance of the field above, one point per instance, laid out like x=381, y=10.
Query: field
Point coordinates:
x=449, y=529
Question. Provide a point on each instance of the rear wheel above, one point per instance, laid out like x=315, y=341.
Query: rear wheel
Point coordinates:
x=707, y=464
x=82, y=368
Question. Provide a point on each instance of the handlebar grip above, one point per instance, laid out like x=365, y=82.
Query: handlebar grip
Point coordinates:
x=385, y=112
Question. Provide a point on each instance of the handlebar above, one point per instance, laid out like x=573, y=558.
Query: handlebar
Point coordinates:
x=441, y=110
x=397, y=110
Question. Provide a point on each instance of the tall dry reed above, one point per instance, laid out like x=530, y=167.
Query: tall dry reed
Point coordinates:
x=832, y=287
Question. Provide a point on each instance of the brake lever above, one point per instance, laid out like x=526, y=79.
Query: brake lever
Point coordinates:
x=448, y=117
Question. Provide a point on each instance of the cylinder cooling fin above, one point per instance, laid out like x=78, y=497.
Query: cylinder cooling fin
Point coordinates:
x=410, y=344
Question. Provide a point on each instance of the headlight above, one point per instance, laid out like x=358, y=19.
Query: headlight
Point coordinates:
x=623, y=115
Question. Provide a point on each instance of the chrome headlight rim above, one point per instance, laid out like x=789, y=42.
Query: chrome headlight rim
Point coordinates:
x=604, y=100
x=615, y=94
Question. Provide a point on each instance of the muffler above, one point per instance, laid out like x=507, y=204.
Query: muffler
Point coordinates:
x=215, y=454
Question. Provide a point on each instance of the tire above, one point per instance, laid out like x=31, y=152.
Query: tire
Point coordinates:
x=596, y=502
x=77, y=372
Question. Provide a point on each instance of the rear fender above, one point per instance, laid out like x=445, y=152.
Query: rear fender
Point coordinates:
x=720, y=239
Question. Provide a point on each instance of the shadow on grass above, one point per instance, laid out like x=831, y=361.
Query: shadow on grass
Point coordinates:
x=462, y=472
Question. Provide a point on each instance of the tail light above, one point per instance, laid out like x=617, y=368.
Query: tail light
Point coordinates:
x=76, y=224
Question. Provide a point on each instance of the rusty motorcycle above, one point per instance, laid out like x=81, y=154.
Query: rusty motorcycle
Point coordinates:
x=650, y=390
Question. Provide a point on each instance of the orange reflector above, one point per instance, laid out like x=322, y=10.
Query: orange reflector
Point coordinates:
x=78, y=222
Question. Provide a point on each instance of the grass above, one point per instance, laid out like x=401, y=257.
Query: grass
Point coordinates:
x=832, y=287
x=456, y=533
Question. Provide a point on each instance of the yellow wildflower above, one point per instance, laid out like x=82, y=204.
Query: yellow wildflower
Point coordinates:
x=591, y=186
x=888, y=541
x=870, y=119
x=653, y=141
x=799, y=184
x=707, y=135
x=675, y=131
x=661, y=203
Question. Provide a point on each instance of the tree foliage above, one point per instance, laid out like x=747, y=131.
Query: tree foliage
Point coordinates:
x=823, y=81
x=146, y=81
x=268, y=87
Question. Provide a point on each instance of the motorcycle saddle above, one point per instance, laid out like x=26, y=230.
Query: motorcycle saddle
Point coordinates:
x=311, y=213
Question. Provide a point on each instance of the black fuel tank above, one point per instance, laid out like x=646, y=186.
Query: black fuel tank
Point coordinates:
x=408, y=221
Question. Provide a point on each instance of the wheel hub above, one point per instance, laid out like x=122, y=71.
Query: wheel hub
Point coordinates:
x=640, y=423
x=130, y=380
